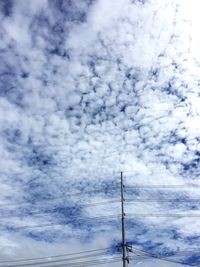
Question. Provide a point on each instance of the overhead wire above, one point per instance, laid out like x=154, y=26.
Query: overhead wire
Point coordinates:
x=64, y=260
x=162, y=186
x=57, y=256
x=164, y=215
x=163, y=200
x=89, y=263
x=61, y=223
x=162, y=258
x=109, y=216
x=54, y=210
x=72, y=263
x=178, y=253
x=57, y=198
x=81, y=264
x=96, y=191
x=127, y=201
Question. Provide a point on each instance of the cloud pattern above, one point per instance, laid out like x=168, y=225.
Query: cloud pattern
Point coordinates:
x=87, y=89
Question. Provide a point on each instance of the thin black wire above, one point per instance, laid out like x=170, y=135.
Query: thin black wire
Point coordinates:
x=57, y=198
x=147, y=254
x=163, y=200
x=97, y=191
x=89, y=263
x=176, y=254
x=75, y=264
x=56, y=256
x=163, y=258
x=127, y=201
x=162, y=186
x=56, y=261
x=55, y=211
x=163, y=215
x=63, y=224
x=108, y=262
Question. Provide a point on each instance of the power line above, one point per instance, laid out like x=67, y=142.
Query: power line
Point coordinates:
x=56, y=261
x=56, y=256
x=54, y=210
x=89, y=263
x=97, y=191
x=50, y=212
x=164, y=200
x=75, y=219
x=111, y=217
x=163, y=215
x=72, y=263
x=59, y=198
x=163, y=258
x=184, y=252
x=162, y=186
x=81, y=264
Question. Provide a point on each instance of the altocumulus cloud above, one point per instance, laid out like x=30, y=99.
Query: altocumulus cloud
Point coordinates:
x=87, y=89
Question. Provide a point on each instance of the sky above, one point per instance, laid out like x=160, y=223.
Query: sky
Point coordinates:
x=89, y=89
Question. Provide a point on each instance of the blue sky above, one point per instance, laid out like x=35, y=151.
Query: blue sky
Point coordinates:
x=89, y=88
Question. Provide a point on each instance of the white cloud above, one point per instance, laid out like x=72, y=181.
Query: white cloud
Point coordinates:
x=82, y=99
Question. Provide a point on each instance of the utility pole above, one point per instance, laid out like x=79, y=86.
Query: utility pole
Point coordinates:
x=124, y=258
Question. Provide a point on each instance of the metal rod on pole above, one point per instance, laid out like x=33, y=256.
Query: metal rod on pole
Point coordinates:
x=123, y=223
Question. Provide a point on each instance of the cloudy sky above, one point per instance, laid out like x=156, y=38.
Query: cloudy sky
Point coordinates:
x=90, y=88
